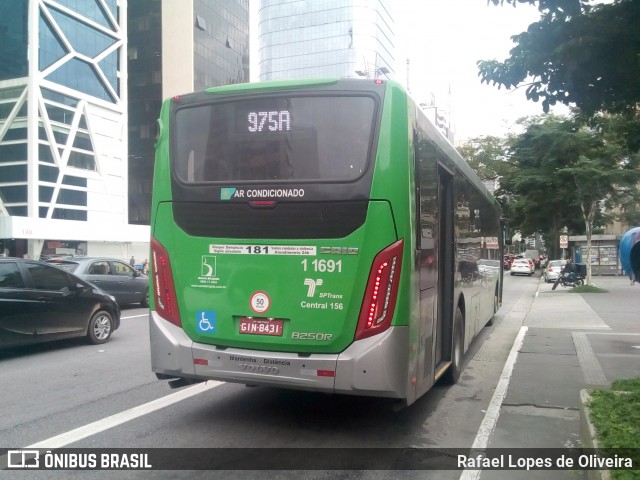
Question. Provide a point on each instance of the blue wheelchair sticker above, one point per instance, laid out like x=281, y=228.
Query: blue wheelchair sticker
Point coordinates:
x=206, y=321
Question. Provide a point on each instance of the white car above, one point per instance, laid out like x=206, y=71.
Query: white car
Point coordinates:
x=521, y=266
x=553, y=269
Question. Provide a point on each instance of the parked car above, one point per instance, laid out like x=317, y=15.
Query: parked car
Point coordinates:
x=553, y=269
x=39, y=303
x=113, y=276
x=522, y=266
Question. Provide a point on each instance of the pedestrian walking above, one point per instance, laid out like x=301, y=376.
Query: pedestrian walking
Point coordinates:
x=132, y=262
x=145, y=266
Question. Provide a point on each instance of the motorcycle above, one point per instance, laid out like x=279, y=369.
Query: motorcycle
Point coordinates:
x=568, y=279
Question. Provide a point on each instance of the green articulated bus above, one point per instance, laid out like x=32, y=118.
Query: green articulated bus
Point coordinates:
x=318, y=235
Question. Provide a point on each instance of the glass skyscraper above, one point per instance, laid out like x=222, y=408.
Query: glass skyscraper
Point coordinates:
x=311, y=39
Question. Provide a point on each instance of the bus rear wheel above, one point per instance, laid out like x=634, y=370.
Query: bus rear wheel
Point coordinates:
x=457, y=349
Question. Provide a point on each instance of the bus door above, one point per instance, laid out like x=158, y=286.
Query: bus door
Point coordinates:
x=427, y=241
x=444, y=320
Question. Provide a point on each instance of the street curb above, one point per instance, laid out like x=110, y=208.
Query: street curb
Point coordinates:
x=589, y=437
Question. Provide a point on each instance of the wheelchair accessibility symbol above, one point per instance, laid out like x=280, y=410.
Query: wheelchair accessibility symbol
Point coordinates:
x=206, y=321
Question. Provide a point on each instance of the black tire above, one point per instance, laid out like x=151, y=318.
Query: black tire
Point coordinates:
x=100, y=327
x=555, y=284
x=457, y=349
x=145, y=301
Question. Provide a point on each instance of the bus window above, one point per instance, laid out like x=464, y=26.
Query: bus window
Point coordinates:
x=274, y=139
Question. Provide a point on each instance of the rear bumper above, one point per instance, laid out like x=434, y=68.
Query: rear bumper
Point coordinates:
x=375, y=366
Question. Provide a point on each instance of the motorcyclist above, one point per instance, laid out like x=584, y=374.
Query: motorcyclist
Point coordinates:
x=570, y=272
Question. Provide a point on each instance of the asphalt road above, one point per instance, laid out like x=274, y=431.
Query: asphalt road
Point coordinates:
x=52, y=389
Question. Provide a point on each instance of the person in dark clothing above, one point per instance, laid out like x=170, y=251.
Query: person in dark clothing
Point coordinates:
x=570, y=271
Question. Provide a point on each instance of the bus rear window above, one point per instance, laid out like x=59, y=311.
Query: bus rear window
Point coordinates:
x=274, y=139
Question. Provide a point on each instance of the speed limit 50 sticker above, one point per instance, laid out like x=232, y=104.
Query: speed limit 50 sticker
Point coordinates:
x=260, y=302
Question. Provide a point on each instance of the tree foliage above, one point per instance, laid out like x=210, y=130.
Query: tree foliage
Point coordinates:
x=540, y=199
x=578, y=53
x=563, y=171
x=486, y=156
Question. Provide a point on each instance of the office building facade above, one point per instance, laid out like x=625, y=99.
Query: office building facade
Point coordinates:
x=332, y=38
x=176, y=47
x=72, y=181
x=63, y=117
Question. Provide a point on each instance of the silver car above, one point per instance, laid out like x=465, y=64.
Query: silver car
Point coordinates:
x=113, y=276
x=553, y=269
x=521, y=266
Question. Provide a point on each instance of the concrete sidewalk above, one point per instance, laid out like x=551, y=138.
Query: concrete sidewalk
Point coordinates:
x=573, y=341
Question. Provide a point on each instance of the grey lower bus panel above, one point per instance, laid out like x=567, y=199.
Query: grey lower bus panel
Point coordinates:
x=375, y=366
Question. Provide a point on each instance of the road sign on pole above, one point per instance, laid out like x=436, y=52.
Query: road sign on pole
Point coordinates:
x=564, y=241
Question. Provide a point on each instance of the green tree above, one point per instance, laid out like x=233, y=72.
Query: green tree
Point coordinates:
x=579, y=54
x=564, y=170
x=486, y=156
x=539, y=199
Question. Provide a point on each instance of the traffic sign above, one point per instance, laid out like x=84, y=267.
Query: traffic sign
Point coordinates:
x=564, y=241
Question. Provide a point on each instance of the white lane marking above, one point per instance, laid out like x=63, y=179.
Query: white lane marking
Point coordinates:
x=90, y=429
x=134, y=316
x=493, y=411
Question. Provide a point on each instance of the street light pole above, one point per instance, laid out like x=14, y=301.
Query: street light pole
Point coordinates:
x=376, y=72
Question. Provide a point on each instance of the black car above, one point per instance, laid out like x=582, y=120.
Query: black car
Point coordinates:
x=113, y=276
x=40, y=303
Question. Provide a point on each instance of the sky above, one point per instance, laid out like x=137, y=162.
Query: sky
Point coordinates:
x=443, y=39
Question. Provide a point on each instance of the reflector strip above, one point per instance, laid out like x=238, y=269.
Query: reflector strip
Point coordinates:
x=317, y=373
x=200, y=361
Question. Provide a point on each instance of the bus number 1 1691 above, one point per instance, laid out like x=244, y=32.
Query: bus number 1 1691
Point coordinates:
x=316, y=265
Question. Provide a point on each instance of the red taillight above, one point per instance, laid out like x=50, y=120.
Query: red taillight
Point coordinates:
x=164, y=291
x=381, y=292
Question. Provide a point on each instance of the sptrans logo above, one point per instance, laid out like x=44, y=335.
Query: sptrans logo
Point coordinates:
x=312, y=284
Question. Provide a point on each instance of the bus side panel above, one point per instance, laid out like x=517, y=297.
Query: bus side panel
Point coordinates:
x=161, y=169
x=394, y=179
